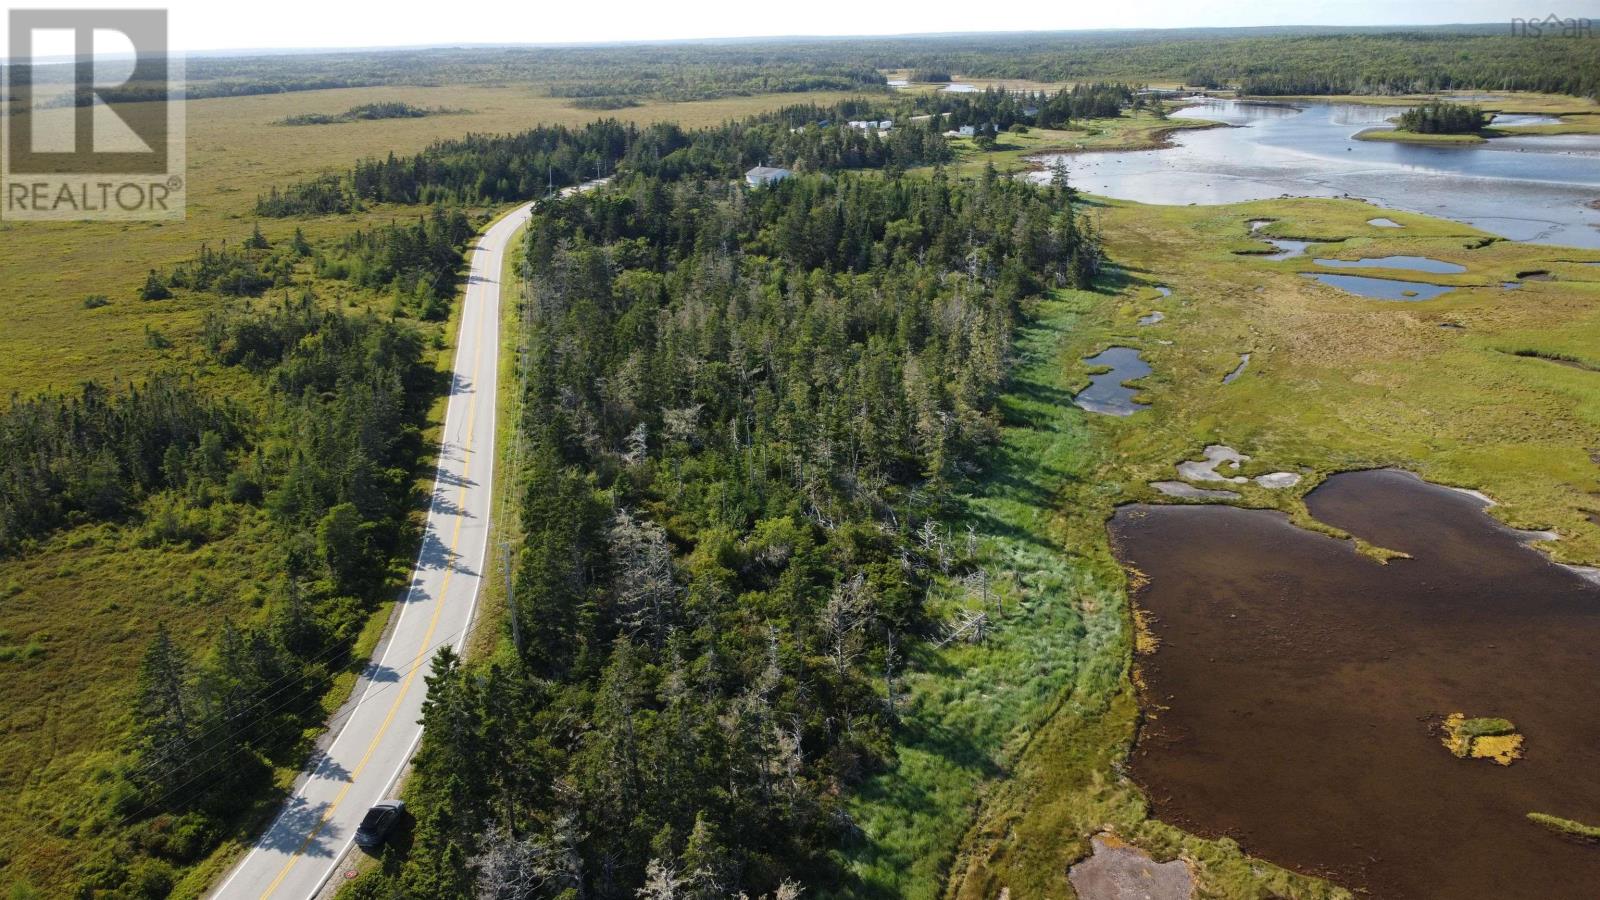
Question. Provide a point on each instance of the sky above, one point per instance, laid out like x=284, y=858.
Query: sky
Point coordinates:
x=199, y=25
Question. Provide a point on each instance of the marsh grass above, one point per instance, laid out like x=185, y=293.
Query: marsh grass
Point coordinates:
x=1010, y=751
x=1016, y=746
x=1412, y=137
x=1588, y=834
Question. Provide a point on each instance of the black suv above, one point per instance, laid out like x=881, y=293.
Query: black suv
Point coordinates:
x=378, y=822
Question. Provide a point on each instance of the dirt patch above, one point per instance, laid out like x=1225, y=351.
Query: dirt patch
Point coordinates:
x=1278, y=480
x=1216, y=455
x=1185, y=491
x=1119, y=871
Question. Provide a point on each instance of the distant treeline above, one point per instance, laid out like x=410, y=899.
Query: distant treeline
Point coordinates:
x=1260, y=60
x=143, y=92
x=1004, y=108
x=1270, y=61
x=504, y=168
x=368, y=112
x=676, y=73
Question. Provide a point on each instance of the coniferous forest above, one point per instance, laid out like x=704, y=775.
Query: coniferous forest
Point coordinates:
x=744, y=413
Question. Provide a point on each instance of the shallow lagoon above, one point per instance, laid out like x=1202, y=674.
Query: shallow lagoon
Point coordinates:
x=1308, y=150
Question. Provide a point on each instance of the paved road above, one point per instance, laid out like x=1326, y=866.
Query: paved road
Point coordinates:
x=311, y=835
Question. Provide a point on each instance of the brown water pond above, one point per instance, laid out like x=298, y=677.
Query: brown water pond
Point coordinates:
x=1293, y=698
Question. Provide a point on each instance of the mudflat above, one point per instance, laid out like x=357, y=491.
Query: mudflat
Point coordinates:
x=1296, y=693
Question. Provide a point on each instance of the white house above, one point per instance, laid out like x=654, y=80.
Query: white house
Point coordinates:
x=761, y=175
x=967, y=131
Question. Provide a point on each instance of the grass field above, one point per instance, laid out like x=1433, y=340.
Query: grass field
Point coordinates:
x=77, y=613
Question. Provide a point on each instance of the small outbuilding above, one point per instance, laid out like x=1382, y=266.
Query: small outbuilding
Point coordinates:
x=762, y=175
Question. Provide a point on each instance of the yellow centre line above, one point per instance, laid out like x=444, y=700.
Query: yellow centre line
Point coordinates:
x=433, y=623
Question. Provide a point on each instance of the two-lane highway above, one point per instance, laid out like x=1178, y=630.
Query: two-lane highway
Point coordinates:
x=298, y=853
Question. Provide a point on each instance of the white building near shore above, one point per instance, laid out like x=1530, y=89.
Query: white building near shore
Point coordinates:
x=763, y=175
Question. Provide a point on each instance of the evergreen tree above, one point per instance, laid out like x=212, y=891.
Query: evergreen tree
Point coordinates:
x=154, y=288
x=164, y=716
x=256, y=240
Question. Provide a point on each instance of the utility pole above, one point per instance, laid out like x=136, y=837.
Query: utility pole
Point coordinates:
x=511, y=597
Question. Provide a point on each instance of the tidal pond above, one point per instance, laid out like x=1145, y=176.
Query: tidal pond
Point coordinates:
x=1287, y=249
x=1412, y=263
x=1300, y=687
x=1382, y=288
x=1106, y=393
